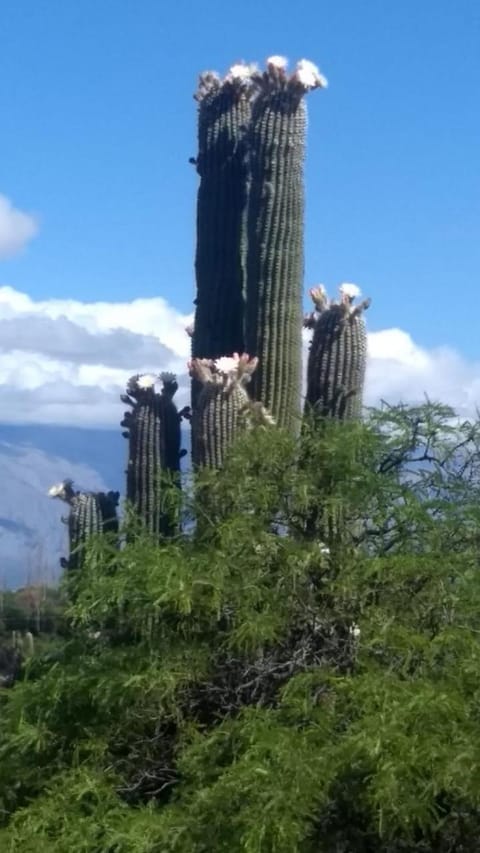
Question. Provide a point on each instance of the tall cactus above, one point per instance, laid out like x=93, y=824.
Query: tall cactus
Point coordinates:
x=223, y=117
x=90, y=513
x=276, y=145
x=338, y=354
x=223, y=406
x=153, y=432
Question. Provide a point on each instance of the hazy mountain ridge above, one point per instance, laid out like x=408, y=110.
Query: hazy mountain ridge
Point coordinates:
x=32, y=537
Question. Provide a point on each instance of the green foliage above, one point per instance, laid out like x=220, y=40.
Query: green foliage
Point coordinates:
x=256, y=688
x=35, y=608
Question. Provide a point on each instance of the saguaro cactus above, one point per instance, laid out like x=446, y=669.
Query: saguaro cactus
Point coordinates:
x=223, y=117
x=338, y=354
x=222, y=408
x=276, y=145
x=153, y=432
x=90, y=513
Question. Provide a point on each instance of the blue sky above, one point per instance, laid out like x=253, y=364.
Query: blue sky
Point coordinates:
x=98, y=123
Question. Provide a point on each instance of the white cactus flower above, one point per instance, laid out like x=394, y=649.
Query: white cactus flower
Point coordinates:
x=238, y=72
x=324, y=550
x=350, y=290
x=147, y=380
x=226, y=365
x=56, y=490
x=354, y=631
x=309, y=76
x=278, y=62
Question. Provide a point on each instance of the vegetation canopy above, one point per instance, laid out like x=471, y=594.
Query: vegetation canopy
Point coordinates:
x=301, y=673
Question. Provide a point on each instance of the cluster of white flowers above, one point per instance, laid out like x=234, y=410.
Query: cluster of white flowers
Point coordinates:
x=147, y=380
x=306, y=73
x=349, y=290
x=240, y=72
x=279, y=63
x=227, y=365
x=309, y=76
x=56, y=490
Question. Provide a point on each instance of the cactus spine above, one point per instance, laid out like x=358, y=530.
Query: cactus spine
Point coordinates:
x=276, y=147
x=153, y=432
x=338, y=354
x=90, y=514
x=222, y=406
x=223, y=117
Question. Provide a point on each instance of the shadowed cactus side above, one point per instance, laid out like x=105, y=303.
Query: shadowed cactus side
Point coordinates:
x=223, y=406
x=153, y=432
x=91, y=513
x=338, y=354
x=223, y=118
x=276, y=150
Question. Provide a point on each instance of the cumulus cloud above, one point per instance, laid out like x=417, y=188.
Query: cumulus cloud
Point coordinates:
x=401, y=370
x=65, y=362
x=16, y=228
x=61, y=339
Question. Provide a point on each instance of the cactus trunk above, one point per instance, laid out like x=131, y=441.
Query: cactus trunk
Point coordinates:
x=223, y=117
x=275, y=238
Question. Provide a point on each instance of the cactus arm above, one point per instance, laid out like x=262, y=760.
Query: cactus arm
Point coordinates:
x=153, y=432
x=337, y=357
x=219, y=414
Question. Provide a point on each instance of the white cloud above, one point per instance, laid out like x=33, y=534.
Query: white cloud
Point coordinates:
x=66, y=361
x=401, y=370
x=16, y=228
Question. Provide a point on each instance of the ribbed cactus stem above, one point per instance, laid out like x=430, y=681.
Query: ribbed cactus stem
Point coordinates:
x=223, y=406
x=153, y=432
x=223, y=117
x=91, y=513
x=276, y=145
x=338, y=354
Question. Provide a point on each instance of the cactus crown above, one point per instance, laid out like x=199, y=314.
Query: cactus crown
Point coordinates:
x=226, y=371
x=141, y=386
x=304, y=78
x=239, y=78
x=63, y=490
x=344, y=306
x=246, y=79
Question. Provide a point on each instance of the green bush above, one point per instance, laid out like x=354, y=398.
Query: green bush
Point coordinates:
x=300, y=674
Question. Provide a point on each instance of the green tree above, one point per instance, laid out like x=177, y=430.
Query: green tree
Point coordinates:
x=278, y=682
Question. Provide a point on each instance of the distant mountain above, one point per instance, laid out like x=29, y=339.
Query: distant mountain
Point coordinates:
x=32, y=458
